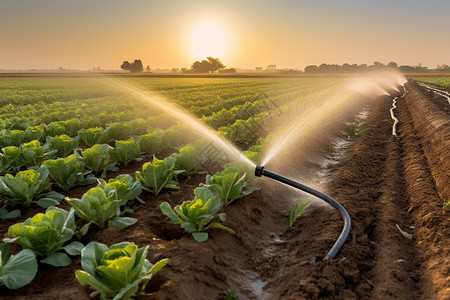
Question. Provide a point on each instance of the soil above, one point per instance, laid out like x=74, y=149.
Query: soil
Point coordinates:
x=388, y=184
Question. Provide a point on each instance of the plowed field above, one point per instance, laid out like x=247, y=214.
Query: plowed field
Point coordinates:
x=393, y=187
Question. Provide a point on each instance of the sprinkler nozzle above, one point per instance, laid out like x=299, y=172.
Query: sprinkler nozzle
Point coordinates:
x=259, y=170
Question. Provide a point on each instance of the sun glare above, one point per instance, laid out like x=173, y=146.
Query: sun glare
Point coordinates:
x=208, y=39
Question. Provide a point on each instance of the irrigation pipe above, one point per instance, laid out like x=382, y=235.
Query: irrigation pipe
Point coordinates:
x=394, y=127
x=259, y=171
x=394, y=106
x=435, y=90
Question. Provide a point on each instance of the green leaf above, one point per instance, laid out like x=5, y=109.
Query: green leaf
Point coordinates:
x=85, y=228
x=168, y=211
x=57, y=259
x=85, y=278
x=19, y=269
x=4, y=214
x=220, y=226
x=74, y=248
x=122, y=222
x=200, y=236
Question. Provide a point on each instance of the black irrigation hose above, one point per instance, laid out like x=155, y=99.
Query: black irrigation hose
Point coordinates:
x=259, y=171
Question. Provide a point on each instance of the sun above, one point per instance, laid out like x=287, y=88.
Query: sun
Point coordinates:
x=208, y=39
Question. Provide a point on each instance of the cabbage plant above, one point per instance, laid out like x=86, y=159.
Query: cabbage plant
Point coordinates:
x=152, y=143
x=97, y=159
x=33, y=154
x=128, y=150
x=119, y=272
x=27, y=187
x=228, y=186
x=10, y=159
x=190, y=160
x=127, y=188
x=101, y=207
x=45, y=234
x=63, y=144
x=158, y=174
x=69, y=171
x=92, y=136
x=195, y=216
x=16, y=270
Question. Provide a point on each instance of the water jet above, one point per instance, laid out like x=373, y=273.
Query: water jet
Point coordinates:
x=260, y=171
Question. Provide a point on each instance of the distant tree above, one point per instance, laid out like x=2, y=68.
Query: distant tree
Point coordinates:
x=392, y=65
x=134, y=67
x=215, y=63
x=230, y=70
x=207, y=66
x=312, y=69
x=148, y=68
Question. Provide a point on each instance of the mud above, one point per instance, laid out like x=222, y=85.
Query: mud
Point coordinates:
x=384, y=182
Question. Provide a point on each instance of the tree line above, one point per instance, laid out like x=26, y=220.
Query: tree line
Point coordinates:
x=208, y=65
x=213, y=65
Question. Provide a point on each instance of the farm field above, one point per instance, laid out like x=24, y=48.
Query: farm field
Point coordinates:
x=394, y=187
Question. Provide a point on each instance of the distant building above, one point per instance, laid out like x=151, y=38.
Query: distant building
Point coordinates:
x=271, y=68
x=258, y=69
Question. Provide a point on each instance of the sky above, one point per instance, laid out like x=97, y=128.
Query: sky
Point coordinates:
x=83, y=34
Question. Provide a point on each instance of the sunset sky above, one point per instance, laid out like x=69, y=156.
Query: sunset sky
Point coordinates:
x=82, y=34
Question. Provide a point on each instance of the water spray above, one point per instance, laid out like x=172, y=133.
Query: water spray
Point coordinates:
x=259, y=171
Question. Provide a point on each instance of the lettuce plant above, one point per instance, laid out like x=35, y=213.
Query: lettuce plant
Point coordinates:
x=92, y=136
x=17, y=270
x=54, y=129
x=228, y=186
x=97, y=159
x=195, y=216
x=63, y=144
x=127, y=151
x=33, y=154
x=34, y=133
x=11, y=159
x=127, y=188
x=152, y=143
x=296, y=211
x=190, y=160
x=118, y=131
x=158, y=174
x=28, y=187
x=45, y=234
x=101, y=207
x=119, y=272
x=68, y=171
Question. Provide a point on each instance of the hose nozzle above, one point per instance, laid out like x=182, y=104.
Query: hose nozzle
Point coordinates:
x=259, y=170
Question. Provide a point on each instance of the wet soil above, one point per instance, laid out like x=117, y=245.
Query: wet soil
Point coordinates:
x=388, y=185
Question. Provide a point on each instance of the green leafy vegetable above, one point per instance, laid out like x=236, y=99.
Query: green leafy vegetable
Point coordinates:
x=45, y=234
x=195, y=215
x=92, y=136
x=152, y=143
x=11, y=159
x=28, y=187
x=190, y=160
x=33, y=154
x=120, y=271
x=17, y=270
x=127, y=188
x=97, y=159
x=297, y=211
x=101, y=207
x=127, y=151
x=68, y=171
x=228, y=186
x=158, y=174
x=63, y=144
